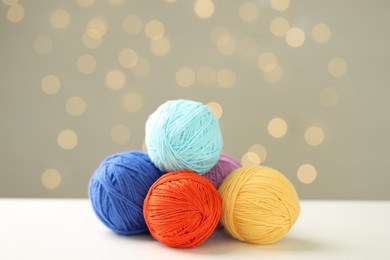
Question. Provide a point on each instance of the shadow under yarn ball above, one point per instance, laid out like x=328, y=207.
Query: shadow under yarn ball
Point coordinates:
x=183, y=134
x=259, y=204
x=225, y=165
x=182, y=209
x=118, y=188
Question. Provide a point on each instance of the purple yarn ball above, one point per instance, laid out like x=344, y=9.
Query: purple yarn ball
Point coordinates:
x=222, y=169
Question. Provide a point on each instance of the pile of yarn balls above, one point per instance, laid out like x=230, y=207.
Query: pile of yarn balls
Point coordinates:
x=184, y=186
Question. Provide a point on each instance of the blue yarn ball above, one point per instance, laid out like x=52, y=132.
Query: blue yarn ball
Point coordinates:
x=183, y=135
x=118, y=188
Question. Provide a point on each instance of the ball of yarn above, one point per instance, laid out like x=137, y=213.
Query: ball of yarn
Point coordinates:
x=118, y=188
x=225, y=165
x=182, y=209
x=259, y=204
x=183, y=134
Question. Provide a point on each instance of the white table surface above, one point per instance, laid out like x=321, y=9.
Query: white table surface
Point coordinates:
x=68, y=229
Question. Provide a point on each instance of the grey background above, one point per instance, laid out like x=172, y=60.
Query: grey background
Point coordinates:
x=352, y=162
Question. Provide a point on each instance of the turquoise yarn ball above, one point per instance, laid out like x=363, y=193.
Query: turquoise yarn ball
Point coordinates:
x=183, y=135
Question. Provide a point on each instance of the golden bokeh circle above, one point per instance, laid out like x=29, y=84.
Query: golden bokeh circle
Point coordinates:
x=67, y=139
x=277, y=127
x=307, y=173
x=51, y=179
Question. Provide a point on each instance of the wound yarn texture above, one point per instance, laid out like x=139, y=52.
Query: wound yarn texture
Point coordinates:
x=118, y=188
x=225, y=165
x=259, y=204
x=183, y=135
x=182, y=209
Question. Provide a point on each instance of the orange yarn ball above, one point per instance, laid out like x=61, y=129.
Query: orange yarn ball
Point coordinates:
x=182, y=209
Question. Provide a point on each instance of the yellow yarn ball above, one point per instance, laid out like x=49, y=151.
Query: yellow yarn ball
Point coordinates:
x=259, y=204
